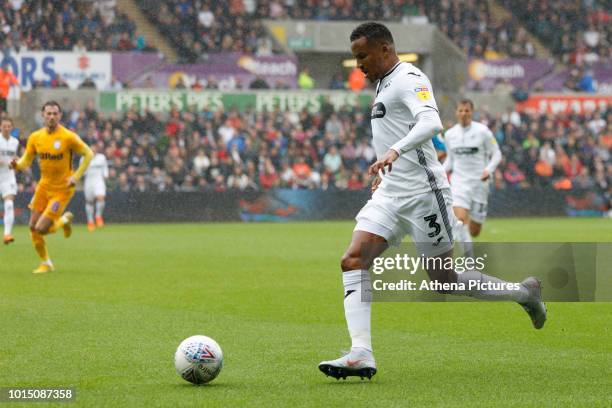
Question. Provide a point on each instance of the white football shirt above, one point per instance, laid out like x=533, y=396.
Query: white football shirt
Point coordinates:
x=470, y=151
x=97, y=170
x=401, y=95
x=8, y=151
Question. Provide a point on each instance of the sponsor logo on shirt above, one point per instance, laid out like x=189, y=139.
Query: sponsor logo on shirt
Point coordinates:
x=57, y=144
x=465, y=150
x=378, y=111
x=422, y=92
x=51, y=156
x=7, y=153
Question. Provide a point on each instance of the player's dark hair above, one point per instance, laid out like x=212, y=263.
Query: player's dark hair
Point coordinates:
x=466, y=101
x=372, y=32
x=51, y=103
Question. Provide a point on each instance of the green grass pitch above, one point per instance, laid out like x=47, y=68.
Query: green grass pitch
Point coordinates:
x=109, y=320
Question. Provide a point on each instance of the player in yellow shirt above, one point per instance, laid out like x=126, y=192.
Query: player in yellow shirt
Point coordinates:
x=54, y=145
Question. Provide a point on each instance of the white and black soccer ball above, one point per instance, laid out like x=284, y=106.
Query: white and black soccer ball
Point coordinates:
x=198, y=359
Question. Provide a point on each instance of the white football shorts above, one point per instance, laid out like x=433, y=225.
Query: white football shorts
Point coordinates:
x=428, y=218
x=94, y=189
x=8, y=186
x=472, y=197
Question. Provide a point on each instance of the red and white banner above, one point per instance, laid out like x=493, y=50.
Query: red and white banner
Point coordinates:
x=551, y=103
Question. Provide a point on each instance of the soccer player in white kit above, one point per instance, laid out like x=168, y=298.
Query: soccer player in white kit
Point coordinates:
x=411, y=196
x=8, y=184
x=95, y=190
x=472, y=156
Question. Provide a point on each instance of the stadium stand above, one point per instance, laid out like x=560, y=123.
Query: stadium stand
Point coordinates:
x=576, y=31
x=68, y=25
x=203, y=26
x=246, y=150
x=200, y=27
x=218, y=150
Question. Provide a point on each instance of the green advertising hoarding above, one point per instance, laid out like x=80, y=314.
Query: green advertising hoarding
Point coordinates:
x=164, y=101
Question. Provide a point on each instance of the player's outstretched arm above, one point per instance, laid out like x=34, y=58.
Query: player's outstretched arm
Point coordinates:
x=427, y=126
x=23, y=163
x=28, y=157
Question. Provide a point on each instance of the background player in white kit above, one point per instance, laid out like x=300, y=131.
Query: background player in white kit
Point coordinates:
x=8, y=184
x=472, y=156
x=412, y=197
x=95, y=189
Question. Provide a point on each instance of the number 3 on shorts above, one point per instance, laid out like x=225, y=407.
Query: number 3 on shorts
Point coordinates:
x=434, y=225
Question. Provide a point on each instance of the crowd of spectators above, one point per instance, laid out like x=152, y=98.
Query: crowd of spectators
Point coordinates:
x=580, y=79
x=470, y=24
x=66, y=25
x=202, y=26
x=199, y=27
x=577, y=31
x=219, y=150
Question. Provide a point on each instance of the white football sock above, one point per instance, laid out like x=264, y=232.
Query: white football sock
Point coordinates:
x=357, y=284
x=9, y=216
x=468, y=249
x=463, y=238
x=89, y=209
x=498, y=290
x=99, y=208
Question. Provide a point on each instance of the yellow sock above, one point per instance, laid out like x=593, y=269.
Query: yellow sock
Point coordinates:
x=57, y=225
x=40, y=245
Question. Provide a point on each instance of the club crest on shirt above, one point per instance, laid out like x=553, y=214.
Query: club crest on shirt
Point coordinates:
x=378, y=111
x=422, y=92
x=57, y=144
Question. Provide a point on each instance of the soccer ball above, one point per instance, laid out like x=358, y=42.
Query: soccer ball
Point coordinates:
x=198, y=359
